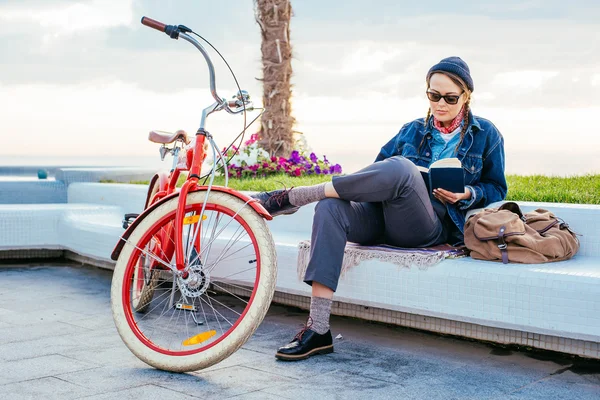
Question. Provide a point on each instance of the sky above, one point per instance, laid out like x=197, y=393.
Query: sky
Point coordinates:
x=82, y=81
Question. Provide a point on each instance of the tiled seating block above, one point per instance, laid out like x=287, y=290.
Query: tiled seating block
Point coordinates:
x=557, y=299
x=130, y=198
x=89, y=224
x=87, y=229
x=30, y=226
x=91, y=230
x=30, y=191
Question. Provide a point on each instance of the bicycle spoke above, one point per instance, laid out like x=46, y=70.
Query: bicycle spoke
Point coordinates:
x=215, y=313
x=149, y=311
x=228, y=292
x=209, y=268
x=229, y=244
x=204, y=314
x=209, y=303
x=211, y=239
x=171, y=267
x=237, y=273
x=222, y=229
x=209, y=247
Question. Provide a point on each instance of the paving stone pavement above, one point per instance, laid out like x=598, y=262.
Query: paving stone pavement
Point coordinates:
x=58, y=341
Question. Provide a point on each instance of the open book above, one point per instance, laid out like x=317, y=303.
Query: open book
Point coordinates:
x=446, y=173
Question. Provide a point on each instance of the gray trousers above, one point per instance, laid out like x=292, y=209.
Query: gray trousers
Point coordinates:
x=384, y=203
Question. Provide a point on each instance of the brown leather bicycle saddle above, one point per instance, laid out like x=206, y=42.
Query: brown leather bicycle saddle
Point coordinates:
x=167, y=137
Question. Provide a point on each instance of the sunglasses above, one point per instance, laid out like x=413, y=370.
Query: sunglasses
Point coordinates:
x=449, y=98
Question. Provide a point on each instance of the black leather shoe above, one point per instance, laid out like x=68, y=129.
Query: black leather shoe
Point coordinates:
x=276, y=202
x=306, y=343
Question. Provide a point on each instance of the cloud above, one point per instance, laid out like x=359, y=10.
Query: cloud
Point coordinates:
x=531, y=79
x=102, y=118
x=333, y=53
x=60, y=19
x=367, y=58
x=541, y=56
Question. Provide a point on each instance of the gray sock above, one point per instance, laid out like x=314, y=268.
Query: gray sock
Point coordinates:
x=303, y=195
x=320, y=310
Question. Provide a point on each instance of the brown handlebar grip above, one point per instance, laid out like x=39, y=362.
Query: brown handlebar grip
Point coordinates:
x=159, y=26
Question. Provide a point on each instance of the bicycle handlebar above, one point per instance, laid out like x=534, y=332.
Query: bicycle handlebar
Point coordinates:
x=159, y=26
x=181, y=31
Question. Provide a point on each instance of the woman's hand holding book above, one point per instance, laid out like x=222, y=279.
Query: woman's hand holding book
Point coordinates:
x=448, y=197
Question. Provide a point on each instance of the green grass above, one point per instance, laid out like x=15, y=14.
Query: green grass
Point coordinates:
x=583, y=189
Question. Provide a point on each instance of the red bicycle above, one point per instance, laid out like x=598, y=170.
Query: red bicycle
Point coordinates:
x=196, y=271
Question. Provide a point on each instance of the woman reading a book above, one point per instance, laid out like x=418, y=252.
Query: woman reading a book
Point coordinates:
x=389, y=201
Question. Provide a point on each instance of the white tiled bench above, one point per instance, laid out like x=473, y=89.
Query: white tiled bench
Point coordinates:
x=89, y=224
x=553, y=306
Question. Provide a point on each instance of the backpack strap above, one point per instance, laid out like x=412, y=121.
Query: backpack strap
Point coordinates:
x=502, y=245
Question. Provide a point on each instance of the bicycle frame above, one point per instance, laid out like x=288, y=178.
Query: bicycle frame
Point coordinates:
x=167, y=185
x=168, y=190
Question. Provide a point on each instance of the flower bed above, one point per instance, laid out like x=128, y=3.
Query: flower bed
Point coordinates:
x=251, y=161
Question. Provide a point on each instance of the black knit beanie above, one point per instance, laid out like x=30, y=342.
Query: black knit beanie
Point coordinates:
x=456, y=66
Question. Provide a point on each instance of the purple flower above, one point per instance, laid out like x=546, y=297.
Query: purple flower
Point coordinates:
x=317, y=170
x=325, y=160
x=314, y=158
x=295, y=157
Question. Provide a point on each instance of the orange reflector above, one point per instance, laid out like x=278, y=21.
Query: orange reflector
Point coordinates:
x=192, y=219
x=199, y=338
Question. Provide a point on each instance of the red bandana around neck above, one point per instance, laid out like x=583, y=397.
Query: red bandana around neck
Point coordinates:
x=455, y=123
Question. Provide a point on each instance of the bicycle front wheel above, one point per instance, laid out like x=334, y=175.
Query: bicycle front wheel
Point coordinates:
x=200, y=317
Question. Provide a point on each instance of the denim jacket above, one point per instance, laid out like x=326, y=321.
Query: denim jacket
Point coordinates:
x=481, y=154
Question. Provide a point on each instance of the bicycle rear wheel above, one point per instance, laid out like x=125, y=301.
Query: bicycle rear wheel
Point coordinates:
x=199, y=318
x=144, y=278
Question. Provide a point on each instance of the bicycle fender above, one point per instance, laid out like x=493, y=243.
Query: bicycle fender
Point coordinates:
x=163, y=181
x=253, y=203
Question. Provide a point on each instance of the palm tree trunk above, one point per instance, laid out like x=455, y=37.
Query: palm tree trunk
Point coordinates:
x=276, y=135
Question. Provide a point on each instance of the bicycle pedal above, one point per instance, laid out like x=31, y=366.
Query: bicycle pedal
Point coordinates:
x=186, y=307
